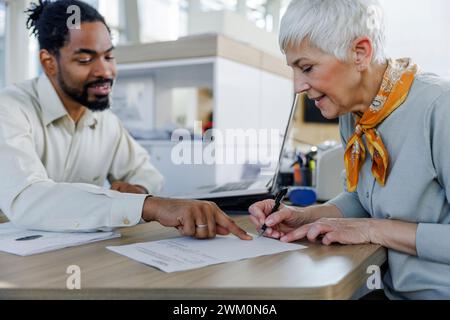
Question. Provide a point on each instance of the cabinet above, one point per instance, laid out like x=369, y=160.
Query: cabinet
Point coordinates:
x=249, y=89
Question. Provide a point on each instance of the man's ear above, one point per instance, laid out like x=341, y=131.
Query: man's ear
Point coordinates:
x=362, y=50
x=48, y=62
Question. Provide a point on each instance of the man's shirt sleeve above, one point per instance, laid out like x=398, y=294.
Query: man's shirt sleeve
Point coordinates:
x=131, y=163
x=31, y=200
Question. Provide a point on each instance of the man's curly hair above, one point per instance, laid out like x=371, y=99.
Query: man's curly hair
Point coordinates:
x=47, y=20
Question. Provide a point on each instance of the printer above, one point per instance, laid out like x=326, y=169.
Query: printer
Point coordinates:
x=330, y=174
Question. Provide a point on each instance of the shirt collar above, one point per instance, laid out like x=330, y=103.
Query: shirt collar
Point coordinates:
x=89, y=119
x=53, y=108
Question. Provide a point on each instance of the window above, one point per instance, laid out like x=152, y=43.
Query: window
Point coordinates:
x=162, y=20
x=110, y=9
x=209, y=5
x=2, y=42
x=256, y=10
x=115, y=16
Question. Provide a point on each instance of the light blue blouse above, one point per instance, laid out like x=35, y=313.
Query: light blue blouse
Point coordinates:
x=417, y=137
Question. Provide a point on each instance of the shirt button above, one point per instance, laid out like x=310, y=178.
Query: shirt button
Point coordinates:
x=367, y=195
x=126, y=221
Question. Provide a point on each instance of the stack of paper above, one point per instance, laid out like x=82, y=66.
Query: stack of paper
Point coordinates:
x=187, y=253
x=26, y=242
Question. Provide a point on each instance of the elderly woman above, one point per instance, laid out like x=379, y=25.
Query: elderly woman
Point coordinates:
x=395, y=124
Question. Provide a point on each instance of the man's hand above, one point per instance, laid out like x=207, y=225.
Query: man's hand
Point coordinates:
x=199, y=219
x=125, y=187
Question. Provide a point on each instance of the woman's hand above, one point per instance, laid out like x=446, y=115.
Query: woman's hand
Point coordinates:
x=288, y=219
x=343, y=231
x=326, y=222
x=279, y=223
x=392, y=234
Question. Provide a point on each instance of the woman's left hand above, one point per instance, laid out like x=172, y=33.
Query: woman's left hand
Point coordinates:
x=343, y=231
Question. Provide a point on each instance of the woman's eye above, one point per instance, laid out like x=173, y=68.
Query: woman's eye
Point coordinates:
x=307, y=69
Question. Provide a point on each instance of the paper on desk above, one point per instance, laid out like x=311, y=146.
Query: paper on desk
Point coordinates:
x=47, y=241
x=188, y=253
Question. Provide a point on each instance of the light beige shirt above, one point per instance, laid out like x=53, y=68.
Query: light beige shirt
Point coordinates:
x=52, y=170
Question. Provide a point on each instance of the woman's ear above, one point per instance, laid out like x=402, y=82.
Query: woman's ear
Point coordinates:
x=48, y=62
x=362, y=50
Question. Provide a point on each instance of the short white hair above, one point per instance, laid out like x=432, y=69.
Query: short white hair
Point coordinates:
x=332, y=26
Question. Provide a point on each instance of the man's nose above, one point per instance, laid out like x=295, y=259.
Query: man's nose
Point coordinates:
x=103, y=69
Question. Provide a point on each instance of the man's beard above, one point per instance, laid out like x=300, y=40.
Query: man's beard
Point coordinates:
x=100, y=103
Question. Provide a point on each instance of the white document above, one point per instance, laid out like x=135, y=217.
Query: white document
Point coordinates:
x=188, y=253
x=27, y=242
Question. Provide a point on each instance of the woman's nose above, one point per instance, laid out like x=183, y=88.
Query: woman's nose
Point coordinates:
x=300, y=83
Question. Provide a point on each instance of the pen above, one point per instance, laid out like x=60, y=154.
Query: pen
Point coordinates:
x=37, y=236
x=279, y=197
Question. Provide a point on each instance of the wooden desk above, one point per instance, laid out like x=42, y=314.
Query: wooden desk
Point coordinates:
x=318, y=272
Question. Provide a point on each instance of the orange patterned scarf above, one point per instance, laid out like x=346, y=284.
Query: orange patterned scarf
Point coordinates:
x=395, y=87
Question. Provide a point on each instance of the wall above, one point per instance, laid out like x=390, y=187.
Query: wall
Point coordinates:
x=2, y=42
x=249, y=98
x=419, y=29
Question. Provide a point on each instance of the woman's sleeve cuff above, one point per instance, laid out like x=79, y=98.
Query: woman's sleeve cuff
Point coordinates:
x=349, y=206
x=433, y=242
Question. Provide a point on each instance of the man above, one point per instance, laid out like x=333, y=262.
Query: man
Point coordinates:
x=58, y=141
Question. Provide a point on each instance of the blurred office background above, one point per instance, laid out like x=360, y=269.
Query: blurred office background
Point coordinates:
x=215, y=61
x=416, y=28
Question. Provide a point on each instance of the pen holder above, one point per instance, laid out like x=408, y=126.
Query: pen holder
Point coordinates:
x=306, y=177
x=302, y=196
